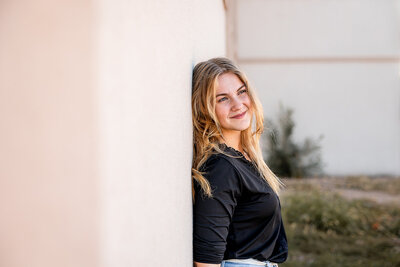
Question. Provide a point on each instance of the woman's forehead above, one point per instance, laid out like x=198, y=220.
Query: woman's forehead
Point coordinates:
x=228, y=82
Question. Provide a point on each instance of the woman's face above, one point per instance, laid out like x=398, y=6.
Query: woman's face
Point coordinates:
x=233, y=105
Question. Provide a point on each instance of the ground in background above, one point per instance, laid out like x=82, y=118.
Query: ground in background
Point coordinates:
x=351, y=221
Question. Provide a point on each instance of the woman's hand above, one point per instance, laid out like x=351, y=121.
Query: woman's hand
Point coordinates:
x=199, y=264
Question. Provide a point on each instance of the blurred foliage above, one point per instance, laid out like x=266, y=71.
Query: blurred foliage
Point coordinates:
x=285, y=157
x=324, y=229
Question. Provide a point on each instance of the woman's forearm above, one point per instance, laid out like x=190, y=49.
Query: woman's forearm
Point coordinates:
x=199, y=264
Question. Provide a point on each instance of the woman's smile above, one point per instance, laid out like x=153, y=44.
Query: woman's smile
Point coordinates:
x=239, y=116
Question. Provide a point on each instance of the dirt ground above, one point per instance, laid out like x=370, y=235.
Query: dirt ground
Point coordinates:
x=336, y=186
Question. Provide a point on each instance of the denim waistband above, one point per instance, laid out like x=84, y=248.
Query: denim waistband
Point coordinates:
x=247, y=263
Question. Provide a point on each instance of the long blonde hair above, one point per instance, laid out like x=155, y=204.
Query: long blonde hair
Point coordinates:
x=206, y=127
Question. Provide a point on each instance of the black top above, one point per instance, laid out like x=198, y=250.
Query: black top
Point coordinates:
x=243, y=219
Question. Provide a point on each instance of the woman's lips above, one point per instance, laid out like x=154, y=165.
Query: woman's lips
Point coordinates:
x=239, y=116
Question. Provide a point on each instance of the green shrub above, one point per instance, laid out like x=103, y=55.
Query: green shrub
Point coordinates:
x=284, y=156
x=331, y=212
x=324, y=229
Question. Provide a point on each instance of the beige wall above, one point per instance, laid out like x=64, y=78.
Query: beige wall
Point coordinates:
x=48, y=139
x=95, y=129
x=146, y=54
x=337, y=63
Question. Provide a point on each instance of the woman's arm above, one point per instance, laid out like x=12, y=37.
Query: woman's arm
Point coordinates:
x=212, y=216
x=199, y=264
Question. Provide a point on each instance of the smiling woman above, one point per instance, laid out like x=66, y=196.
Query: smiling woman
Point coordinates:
x=236, y=209
x=233, y=107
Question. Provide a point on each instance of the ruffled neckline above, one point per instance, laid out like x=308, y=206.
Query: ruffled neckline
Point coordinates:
x=236, y=152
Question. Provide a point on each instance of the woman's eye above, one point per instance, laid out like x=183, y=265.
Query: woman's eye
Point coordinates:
x=222, y=99
x=242, y=91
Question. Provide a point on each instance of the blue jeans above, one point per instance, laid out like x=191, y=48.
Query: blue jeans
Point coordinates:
x=239, y=264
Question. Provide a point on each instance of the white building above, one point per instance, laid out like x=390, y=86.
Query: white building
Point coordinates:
x=337, y=63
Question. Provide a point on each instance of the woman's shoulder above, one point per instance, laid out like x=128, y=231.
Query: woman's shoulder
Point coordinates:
x=217, y=160
x=220, y=160
x=219, y=169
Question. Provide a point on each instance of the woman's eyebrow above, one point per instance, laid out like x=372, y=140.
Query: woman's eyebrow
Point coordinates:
x=243, y=85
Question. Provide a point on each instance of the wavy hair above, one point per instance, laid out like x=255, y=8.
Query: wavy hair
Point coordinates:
x=206, y=127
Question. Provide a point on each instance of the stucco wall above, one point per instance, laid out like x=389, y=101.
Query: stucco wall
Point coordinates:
x=48, y=140
x=337, y=63
x=95, y=129
x=146, y=55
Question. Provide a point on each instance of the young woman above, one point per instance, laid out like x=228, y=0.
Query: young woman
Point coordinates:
x=236, y=211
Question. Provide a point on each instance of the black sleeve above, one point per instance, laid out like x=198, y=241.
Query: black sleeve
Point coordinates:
x=212, y=216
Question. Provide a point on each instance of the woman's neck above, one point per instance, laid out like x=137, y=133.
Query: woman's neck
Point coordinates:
x=233, y=140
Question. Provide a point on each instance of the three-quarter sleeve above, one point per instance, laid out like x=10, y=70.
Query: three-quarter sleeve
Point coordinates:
x=212, y=216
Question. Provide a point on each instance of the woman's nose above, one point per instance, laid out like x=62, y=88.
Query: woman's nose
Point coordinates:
x=237, y=103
